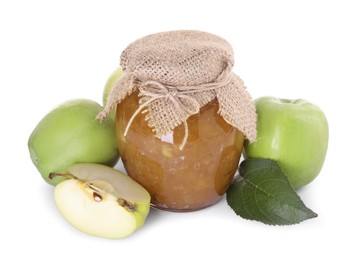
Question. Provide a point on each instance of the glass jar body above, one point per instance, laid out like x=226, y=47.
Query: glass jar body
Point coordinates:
x=180, y=180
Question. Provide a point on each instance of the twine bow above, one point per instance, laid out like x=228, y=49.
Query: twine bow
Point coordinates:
x=151, y=90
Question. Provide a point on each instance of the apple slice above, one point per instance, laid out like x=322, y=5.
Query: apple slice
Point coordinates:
x=101, y=201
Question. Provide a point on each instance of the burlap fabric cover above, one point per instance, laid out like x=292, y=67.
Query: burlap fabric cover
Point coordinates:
x=177, y=73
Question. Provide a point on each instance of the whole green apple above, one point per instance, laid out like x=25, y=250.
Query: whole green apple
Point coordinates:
x=70, y=134
x=295, y=133
x=110, y=83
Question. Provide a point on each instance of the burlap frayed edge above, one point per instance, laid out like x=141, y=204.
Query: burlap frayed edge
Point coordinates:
x=235, y=97
x=231, y=97
x=122, y=88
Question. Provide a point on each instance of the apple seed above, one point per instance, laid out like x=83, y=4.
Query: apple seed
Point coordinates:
x=97, y=197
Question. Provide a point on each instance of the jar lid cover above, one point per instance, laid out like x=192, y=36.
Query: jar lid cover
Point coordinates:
x=177, y=73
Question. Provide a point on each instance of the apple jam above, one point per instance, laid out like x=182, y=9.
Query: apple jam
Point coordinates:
x=180, y=180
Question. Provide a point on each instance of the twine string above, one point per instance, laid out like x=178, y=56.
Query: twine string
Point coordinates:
x=151, y=90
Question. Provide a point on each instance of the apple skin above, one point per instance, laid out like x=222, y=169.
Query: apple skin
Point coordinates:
x=113, y=78
x=70, y=134
x=294, y=133
x=110, y=83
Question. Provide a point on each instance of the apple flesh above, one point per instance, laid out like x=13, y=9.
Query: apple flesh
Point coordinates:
x=101, y=201
x=70, y=134
x=295, y=133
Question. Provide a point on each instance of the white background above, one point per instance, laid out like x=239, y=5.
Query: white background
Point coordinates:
x=52, y=51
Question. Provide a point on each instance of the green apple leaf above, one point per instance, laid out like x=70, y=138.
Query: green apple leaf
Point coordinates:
x=262, y=192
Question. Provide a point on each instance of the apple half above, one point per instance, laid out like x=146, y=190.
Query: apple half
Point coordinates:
x=101, y=201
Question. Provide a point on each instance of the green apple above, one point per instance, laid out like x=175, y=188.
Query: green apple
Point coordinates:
x=295, y=133
x=101, y=201
x=110, y=83
x=70, y=134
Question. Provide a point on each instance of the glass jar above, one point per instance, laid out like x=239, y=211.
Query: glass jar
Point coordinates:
x=180, y=180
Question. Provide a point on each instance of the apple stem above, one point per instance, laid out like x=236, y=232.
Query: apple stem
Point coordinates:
x=52, y=175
